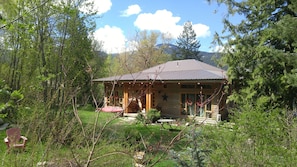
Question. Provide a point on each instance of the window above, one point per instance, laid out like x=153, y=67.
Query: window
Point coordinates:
x=195, y=104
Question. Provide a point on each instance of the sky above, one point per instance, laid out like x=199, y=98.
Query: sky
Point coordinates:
x=120, y=20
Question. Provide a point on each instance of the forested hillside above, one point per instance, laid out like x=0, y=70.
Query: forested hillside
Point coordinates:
x=206, y=57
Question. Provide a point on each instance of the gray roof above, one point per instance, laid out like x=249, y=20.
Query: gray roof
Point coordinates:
x=178, y=70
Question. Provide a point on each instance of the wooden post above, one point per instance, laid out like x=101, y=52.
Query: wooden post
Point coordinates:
x=126, y=99
x=148, y=100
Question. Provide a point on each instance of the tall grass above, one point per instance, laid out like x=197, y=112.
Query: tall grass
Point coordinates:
x=117, y=141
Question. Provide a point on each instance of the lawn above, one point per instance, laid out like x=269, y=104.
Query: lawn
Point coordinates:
x=119, y=141
x=151, y=137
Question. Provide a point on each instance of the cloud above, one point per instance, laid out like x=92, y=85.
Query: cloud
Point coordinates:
x=161, y=20
x=165, y=22
x=201, y=30
x=99, y=6
x=132, y=9
x=113, y=38
x=217, y=48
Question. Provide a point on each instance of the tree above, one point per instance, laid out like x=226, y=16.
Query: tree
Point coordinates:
x=146, y=53
x=46, y=49
x=261, y=52
x=187, y=44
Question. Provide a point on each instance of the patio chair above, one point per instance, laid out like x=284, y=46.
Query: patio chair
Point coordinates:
x=14, y=139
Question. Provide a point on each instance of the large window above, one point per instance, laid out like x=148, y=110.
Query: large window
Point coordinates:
x=195, y=104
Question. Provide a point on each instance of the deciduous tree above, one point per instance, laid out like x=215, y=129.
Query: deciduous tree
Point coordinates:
x=145, y=52
x=46, y=49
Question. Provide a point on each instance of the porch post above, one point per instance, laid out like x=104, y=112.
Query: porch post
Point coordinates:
x=126, y=99
x=148, y=99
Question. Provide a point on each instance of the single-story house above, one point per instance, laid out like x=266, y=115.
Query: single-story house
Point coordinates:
x=177, y=88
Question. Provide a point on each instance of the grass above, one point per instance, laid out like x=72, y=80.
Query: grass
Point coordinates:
x=89, y=117
x=138, y=136
x=119, y=141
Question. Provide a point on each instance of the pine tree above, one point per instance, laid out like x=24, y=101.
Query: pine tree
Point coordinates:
x=188, y=44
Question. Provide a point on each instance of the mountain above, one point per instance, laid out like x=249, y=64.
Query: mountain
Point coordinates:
x=210, y=57
x=206, y=57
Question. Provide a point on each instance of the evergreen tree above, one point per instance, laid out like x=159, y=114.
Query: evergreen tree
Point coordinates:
x=187, y=44
x=261, y=52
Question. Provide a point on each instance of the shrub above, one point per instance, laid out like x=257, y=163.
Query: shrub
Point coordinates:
x=140, y=118
x=153, y=115
x=9, y=102
x=255, y=138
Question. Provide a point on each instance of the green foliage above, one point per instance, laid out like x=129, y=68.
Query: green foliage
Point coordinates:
x=140, y=118
x=52, y=65
x=192, y=154
x=187, y=43
x=16, y=96
x=153, y=115
x=9, y=102
x=59, y=139
x=150, y=117
x=255, y=137
x=145, y=55
x=260, y=51
x=133, y=138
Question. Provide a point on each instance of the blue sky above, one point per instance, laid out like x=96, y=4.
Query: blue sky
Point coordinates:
x=121, y=19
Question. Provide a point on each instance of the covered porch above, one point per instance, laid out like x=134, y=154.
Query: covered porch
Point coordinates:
x=174, y=100
x=178, y=89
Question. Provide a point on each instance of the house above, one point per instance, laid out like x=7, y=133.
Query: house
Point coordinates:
x=177, y=88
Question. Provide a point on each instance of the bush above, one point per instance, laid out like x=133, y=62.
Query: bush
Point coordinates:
x=255, y=138
x=141, y=118
x=9, y=102
x=153, y=115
